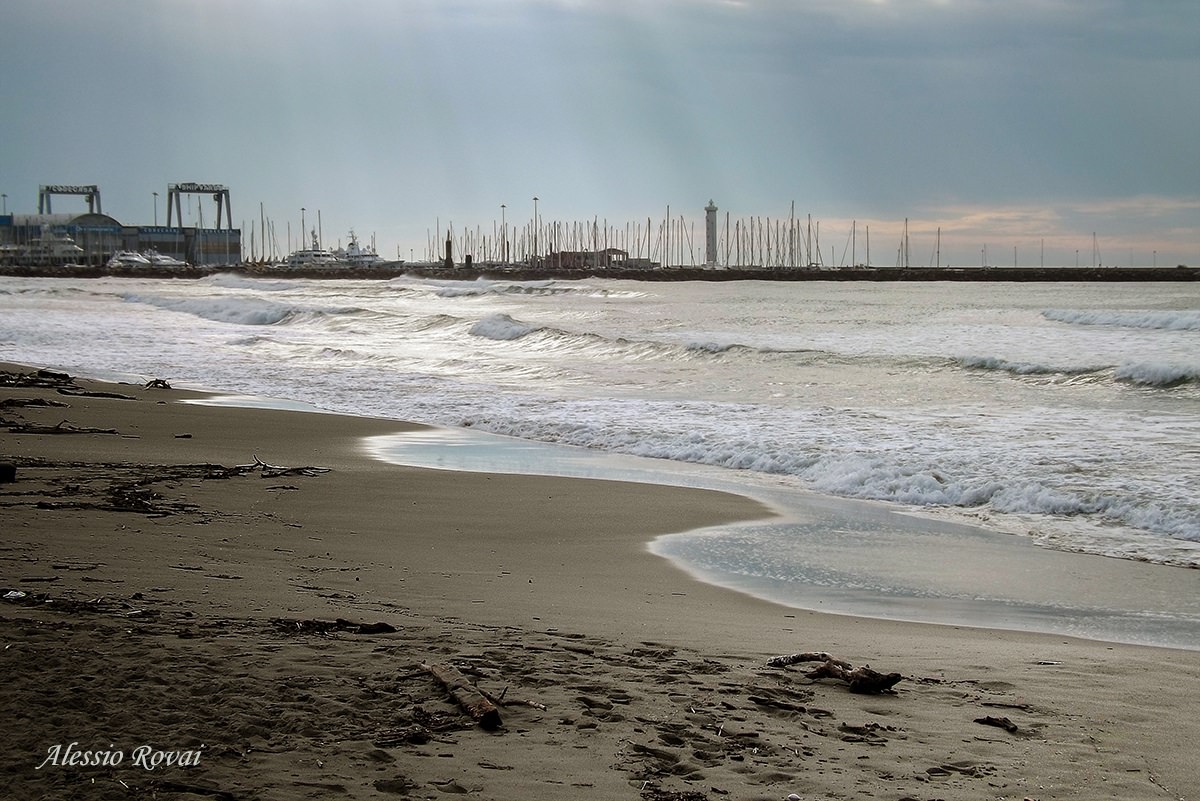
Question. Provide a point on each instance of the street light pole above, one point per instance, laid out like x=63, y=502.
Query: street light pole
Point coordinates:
x=5, y=212
x=303, y=231
x=155, y=208
x=535, y=230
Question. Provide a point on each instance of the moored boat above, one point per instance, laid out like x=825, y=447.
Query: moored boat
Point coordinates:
x=355, y=255
x=51, y=248
x=314, y=256
x=128, y=258
x=157, y=259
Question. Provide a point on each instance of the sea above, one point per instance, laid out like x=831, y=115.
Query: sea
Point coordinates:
x=1011, y=455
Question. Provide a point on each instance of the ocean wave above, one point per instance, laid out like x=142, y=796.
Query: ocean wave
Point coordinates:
x=1020, y=368
x=248, y=341
x=722, y=347
x=1157, y=375
x=502, y=328
x=1162, y=320
x=239, y=311
x=484, y=286
x=552, y=340
x=235, y=281
x=824, y=455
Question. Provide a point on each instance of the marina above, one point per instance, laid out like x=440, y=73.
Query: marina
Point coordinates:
x=788, y=247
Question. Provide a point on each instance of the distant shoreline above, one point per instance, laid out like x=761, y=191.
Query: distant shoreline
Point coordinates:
x=530, y=273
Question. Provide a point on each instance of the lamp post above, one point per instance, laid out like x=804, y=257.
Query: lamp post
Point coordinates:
x=535, y=230
x=5, y=198
x=303, y=231
x=155, y=208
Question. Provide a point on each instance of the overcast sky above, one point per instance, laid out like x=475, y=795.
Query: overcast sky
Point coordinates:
x=1006, y=123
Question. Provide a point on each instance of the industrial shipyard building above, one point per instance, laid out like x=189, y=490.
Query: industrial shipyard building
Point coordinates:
x=93, y=238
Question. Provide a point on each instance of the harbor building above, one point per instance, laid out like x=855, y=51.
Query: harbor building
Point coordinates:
x=26, y=239
x=603, y=259
x=92, y=238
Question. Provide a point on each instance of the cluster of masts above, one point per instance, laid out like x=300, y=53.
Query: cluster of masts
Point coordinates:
x=754, y=243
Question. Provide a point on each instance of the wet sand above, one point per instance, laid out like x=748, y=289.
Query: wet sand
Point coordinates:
x=158, y=598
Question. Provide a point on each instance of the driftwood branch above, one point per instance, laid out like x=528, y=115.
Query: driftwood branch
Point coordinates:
x=264, y=469
x=860, y=680
x=465, y=695
x=15, y=402
x=77, y=392
x=500, y=700
x=65, y=427
x=274, y=471
x=1000, y=723
x=312, y=626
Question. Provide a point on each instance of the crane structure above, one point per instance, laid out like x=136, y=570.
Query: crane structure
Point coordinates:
x=91, y=192
x=219, y=192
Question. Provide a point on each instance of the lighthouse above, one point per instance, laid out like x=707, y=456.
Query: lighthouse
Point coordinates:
x=710, y=235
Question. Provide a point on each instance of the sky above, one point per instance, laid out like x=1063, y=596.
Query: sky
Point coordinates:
x=1026, y=131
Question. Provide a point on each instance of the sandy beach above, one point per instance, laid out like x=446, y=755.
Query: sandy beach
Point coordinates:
x=181, y=620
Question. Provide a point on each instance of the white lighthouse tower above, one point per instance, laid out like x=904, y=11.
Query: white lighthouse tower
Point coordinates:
x=710, y=235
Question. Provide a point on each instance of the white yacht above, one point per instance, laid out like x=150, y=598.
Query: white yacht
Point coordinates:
x=355, y=255
x=128, y=258
x=157, y=259
x=315, y=256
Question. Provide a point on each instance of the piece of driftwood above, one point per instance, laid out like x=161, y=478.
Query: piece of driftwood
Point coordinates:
x=274, y=470
x=23, y=402
x=45, y=379
x=500, y=700
x=65, y=427
x=79, y=392
x=312, y=626
x=860, y=680
x=465, y=695
x=156, y=383
x=1000, y=723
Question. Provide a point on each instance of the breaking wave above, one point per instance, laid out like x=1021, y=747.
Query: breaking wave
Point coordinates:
x=1162, y=320
x=1020, y=368
x=483, y=286
x=502, y=328
x=233, y=281
x=846, y=464
x=239, y=311
x=1157, y=375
